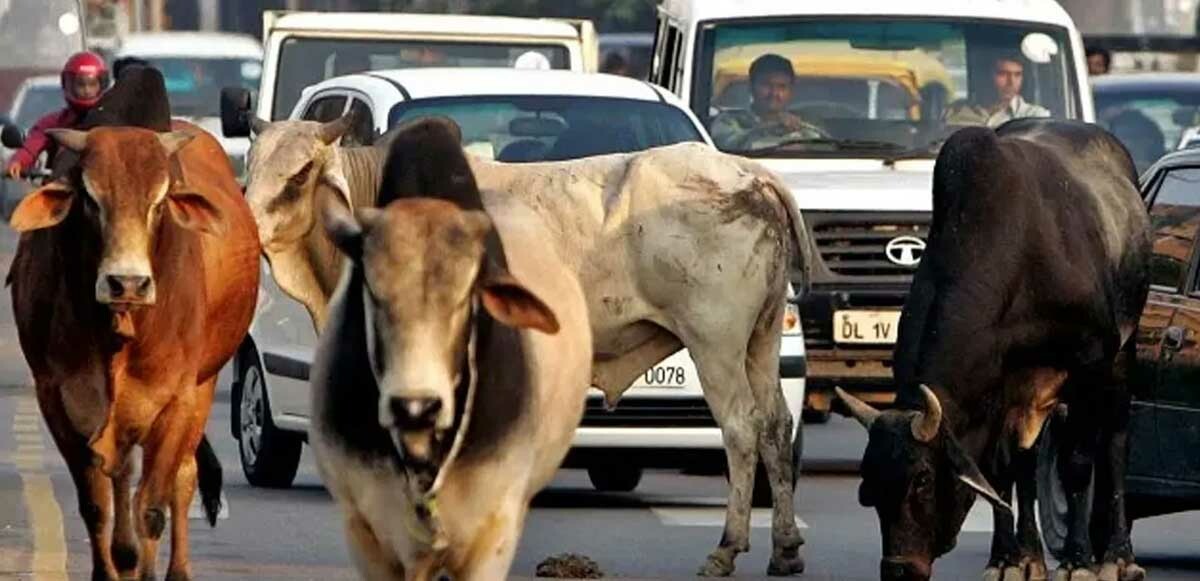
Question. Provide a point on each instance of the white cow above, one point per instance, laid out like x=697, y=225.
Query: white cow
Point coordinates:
x=678, y=246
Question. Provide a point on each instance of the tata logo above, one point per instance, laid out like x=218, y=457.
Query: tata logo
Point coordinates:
x=905, y=250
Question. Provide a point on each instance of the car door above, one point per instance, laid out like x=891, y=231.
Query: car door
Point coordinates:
x=1169, y=337
x=363, y=132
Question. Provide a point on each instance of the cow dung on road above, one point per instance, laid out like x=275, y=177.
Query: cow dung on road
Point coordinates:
x=569, y=566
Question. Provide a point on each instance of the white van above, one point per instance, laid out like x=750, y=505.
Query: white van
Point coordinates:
x=875, y=88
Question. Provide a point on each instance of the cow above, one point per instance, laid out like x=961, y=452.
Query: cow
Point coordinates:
x=678, y=246
x=447, y=384
x=135, y=281
x=1032, y=283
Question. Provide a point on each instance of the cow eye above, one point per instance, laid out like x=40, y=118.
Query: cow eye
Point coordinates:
x=301, y=177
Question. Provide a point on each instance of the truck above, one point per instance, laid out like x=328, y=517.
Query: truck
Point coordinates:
x=882, y=84
x=305, y=48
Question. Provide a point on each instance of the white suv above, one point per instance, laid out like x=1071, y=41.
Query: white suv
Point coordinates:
x=662, y=419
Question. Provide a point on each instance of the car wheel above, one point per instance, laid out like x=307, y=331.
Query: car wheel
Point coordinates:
x=615, y=478
x=270, y=456
x=1051, y=497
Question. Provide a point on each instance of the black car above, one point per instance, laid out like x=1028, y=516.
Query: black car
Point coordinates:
x=1148, y=112
x=1164, y=435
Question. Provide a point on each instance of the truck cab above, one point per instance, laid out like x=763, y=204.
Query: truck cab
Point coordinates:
x=855, y=101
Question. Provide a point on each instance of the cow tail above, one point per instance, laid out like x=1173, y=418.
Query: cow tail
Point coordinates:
x=802, y=252
x=208, y=468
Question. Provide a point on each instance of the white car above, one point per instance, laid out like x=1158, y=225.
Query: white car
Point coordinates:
x=195, y=67
x=662, y=421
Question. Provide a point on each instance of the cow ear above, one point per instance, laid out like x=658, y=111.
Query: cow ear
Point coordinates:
x=44, y=207
x=174, y=141
x=968, y=473
x=506, y=299
x=341, y=225
x=334, y=178
x=195, y=212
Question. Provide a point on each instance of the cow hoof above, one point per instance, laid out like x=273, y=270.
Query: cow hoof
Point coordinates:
x=1082, y=574
x=783, y=566
x=1109, y=572
x=991, y=574
x=1014, y=574
x=717, y=565
x=1035, y=570
x=1133, y=572
x=178, y=576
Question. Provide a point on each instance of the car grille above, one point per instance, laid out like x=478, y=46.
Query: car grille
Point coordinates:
x=649, y=412
x=859, y=249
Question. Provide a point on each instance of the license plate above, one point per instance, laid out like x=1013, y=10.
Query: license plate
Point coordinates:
x=664, y=376
x=866, y=327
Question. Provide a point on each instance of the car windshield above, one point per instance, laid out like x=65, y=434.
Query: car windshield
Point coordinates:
x=194, y=84
x=35, y=102
x=870, y=88
x=537, y=128
x=1149, y=122
x=307, y=61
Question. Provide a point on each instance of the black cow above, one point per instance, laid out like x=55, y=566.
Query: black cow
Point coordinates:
x=1032, y=284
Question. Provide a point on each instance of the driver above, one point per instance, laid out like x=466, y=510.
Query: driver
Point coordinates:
x=768, y=120
x=84, y=80
x=1008, y=75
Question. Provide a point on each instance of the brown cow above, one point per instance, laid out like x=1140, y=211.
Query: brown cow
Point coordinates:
x=135, y=281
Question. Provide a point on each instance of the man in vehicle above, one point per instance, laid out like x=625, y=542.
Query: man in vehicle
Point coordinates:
x=767, y=122
x=1099, y=60
x=84, y=80
x=1007, y=77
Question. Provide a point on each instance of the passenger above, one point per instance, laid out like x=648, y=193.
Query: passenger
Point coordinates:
x=1007, y=77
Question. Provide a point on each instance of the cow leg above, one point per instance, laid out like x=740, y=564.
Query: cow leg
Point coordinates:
x=1075, y=466
x=1004, y=542
x=491, y=551
x=1032, y=560
x=372, y=560
x=727, y=391
x=1118, y=558
x=165, y=449
x=92, y=487
x=125, y=541
x=775, y=443
x=179, y=568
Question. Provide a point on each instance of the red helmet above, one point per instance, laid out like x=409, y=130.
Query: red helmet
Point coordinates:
x=84, y=79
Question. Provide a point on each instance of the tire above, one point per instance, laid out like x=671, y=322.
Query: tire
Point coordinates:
x=1052, y=499
x=269, y=456
x=614, y=477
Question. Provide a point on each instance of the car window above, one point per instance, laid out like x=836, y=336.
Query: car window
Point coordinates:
x=194, y=84
x=1149, y=124
x=363, y=132
x=307, y=61
x=1174, y=220
x=554, y=128
x=325, y=109
x=38, y=101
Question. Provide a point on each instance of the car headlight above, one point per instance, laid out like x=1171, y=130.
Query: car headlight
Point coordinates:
x=791, y=320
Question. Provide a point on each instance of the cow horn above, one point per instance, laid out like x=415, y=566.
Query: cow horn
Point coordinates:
x=258, y=125
x=925, y=425
x=72, y=139
x=860, y=410
x=331, y=131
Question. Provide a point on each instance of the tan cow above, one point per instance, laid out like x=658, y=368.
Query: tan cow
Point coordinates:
x=134, y=282
x=446, y=388
x=679, y=246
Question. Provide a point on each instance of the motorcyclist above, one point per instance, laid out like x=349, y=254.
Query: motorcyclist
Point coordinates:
x=84, y=79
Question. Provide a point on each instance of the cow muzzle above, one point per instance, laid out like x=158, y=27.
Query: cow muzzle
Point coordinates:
x=904, y=569
x=419, y=425
x=125, y=290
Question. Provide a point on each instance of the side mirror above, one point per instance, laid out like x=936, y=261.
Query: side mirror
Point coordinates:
x=235, y=112
x=11, y=135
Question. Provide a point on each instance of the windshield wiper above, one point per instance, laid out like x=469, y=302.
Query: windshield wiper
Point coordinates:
x=838, y=144
x=927, y=151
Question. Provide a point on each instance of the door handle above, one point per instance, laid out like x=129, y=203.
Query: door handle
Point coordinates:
x=1174, y=338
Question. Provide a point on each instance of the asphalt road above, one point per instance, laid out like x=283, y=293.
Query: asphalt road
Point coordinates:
x=661, y=531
